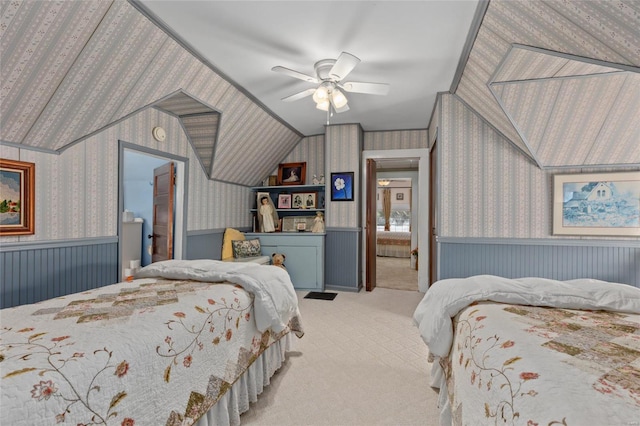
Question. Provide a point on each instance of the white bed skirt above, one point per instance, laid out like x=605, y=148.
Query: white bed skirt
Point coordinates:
x=247, y=388
x=393, y=251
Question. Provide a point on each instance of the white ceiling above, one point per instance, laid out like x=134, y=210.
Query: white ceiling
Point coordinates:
x=414, y=46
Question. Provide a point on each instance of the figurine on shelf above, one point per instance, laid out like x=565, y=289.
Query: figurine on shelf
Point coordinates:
x=321, y=182
x=318, y=223
x=315, y=180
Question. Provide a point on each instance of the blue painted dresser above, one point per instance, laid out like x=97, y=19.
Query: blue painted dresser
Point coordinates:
x=304, y=253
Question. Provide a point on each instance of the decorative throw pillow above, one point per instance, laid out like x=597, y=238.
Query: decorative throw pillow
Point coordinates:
x=230, y=234
x=246, y=248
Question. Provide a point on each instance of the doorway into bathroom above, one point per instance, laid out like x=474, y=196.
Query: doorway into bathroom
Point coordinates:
x=136, y=195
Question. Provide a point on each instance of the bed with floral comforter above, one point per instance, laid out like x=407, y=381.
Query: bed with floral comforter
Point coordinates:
x=393, y=244
x=533, y=351
x=162, y=349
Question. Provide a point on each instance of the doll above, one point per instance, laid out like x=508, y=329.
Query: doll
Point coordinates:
x=318, y=223
x=266, y=211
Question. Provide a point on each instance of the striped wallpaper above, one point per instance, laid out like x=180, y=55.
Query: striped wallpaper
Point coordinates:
x=77, y=191
x=396, y=139
x=71, y=69
x=591, y=30
x=344, y=149
x=310, y=150
x=487, y=187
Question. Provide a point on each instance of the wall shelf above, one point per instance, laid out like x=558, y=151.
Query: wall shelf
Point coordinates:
x=303, y=191
x=304, y=250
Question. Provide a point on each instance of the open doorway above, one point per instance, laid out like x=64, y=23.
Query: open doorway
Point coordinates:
x=418, y=159
x=396, y=182
x=136, y=200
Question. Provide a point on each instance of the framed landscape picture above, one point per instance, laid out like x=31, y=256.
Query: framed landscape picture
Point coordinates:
x=597, y=204
x=17, y=197
x=342, y=186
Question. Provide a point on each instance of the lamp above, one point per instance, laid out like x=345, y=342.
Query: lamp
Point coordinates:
x=338, y=98
x=321, y=93
x=384, y=182
x=323, y=105
x=327, y=95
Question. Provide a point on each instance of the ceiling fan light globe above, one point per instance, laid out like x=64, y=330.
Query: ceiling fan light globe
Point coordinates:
x=323, y=105
x=338, y=98
x=321, y=94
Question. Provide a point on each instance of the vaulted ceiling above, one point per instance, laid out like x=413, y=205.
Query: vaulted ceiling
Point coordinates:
x=559, y=79
x=71, y=69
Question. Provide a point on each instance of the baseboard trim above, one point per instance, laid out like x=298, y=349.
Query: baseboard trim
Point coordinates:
x=340, y=288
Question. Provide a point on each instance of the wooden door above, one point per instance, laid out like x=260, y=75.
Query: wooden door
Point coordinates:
x=370, y=226
x=163, y=198
x=433, y=256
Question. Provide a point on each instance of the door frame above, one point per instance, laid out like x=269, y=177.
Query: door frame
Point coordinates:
x=433, y=212
x=370, y=227
x=422, y=154
x=180, y=203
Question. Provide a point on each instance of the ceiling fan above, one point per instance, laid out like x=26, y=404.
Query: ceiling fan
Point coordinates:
x=329, y=76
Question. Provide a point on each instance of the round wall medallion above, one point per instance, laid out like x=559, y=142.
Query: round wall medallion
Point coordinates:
x=159, y=134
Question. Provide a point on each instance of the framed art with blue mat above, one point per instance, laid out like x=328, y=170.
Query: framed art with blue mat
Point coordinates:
x=321, y=295
x=342, y=186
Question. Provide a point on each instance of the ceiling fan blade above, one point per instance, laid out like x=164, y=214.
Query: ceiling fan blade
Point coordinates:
x=344, y=65
x=295, y=74
x=299, y=95
x=369, y=88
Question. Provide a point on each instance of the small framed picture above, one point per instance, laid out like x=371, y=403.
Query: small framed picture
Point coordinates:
x=292, y=173
x=342, y=186
x=297, y=223
x=18, y=197
x=308, y=200
x=296, y=201
x=284, y=201
x=400, y=196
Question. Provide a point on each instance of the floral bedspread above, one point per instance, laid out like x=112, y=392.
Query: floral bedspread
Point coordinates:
x=533, y=351
x=153, y=351
x=543, y=366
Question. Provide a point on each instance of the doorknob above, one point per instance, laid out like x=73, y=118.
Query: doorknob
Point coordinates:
x=150, y=236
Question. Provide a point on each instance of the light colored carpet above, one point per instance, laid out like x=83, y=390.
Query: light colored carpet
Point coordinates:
x=360, y=362
x=396, y=273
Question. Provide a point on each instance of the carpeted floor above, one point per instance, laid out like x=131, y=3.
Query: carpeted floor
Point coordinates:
x=360, y=362
x=396, y=273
